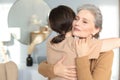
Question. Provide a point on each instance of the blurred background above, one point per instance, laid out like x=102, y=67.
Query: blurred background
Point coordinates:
x=22, y=20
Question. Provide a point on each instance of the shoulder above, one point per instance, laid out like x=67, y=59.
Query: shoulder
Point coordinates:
x=107, y=53
x=104, y=61
x=106, y=57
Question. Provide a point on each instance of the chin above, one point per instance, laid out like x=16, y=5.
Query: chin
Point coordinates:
x=76, y=34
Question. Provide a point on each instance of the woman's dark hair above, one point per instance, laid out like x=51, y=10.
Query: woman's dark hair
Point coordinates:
x=60, y=21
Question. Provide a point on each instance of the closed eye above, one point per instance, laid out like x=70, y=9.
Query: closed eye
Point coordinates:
x=85, y=22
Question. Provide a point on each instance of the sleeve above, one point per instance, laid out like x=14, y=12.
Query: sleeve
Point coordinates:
x=46, y=69
x=95, y=48
x=102, y=67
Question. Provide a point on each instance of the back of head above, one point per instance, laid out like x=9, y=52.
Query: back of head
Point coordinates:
x=60, y=21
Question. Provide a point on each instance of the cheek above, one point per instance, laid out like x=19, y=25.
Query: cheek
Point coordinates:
x=89, y=29
x=73, y=23
x=88, y=32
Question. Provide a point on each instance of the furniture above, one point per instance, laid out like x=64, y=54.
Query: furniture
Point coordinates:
x=8, y=71
x=29, y=73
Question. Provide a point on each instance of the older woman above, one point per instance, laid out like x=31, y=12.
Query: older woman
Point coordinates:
x=87, y=22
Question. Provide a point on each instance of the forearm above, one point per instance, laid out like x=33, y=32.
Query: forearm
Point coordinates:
x=109, y=44
x=46, y=69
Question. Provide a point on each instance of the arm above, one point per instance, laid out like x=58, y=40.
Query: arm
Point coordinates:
x=93, y=47
x=101, y=70
x=58, y=69
x=109, y=44
x=46, y=69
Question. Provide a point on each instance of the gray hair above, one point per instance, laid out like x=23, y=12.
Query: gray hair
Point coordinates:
x=96, y=13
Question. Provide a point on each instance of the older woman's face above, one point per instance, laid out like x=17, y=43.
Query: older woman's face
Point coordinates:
x=83, y=25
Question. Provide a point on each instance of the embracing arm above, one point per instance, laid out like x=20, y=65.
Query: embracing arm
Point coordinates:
x=58, y=69
x=109, y=44
x=46, y=69
x=101, y=70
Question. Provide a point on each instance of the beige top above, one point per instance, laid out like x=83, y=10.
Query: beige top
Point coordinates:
x=67, y=48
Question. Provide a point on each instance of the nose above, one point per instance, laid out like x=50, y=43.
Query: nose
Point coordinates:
x=78, y=23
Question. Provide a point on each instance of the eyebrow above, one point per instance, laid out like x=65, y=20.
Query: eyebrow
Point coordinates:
x=83, y=18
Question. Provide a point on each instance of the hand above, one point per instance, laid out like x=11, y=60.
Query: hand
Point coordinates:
x=68, y=72
x=82, y=46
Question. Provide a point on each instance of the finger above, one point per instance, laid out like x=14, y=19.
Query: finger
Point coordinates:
x=76, y=42
x=76, y=37
x=71, y=67
x=70, y=75
x=88, y=39
x=73, y=75
x=70, y=78
x=79, y=41
x=82, y=42
x=72, y=72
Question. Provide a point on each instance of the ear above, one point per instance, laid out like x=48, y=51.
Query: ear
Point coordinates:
x=96, y=30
